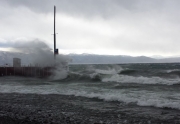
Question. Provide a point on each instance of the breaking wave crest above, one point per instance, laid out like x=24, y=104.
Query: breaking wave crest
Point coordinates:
x=141, y=80
x=113, y=75
x=82, y=77
x=92, y=74
x=140, y=97
x=147, y=99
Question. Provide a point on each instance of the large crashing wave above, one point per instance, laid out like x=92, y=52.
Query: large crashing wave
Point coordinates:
x=117, y=74
x=90, y=73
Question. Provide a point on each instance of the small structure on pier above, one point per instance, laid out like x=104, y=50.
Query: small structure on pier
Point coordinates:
x=16, y=62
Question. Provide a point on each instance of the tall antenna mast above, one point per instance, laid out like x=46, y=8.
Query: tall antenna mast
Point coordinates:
x=54, y=32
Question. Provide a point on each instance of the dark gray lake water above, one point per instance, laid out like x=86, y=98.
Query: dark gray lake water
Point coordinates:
x=110, y=87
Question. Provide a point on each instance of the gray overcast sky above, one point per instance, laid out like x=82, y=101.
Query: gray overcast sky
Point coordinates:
x=116, y=27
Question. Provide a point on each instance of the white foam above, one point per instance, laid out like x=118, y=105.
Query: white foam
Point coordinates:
x=106, y=70
x=141, y=80
x=141, y=97
x=59, y=73
x=110, y=71
x=169, y=71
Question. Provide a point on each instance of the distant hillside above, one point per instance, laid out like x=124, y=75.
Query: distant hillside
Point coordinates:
x=108, y=59
x=117, y=59
x=26, y=59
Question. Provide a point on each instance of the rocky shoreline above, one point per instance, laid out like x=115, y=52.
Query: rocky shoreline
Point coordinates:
x=61, y=109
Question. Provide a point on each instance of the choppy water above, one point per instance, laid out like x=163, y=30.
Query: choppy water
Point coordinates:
x=155, y=85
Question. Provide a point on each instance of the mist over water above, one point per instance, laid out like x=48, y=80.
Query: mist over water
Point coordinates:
x=37, y=53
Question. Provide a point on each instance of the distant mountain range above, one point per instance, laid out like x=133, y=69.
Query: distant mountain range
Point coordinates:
x=117, y=59
x=26, y=59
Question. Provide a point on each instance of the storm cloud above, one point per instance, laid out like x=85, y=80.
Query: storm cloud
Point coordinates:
x=129, y=27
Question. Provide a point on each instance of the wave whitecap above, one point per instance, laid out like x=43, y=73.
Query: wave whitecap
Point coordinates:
x=141, y=80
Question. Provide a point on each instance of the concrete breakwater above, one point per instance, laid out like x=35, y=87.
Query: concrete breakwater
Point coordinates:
x=26, y=71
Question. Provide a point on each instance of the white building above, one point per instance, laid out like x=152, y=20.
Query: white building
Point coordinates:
x=16, y=62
